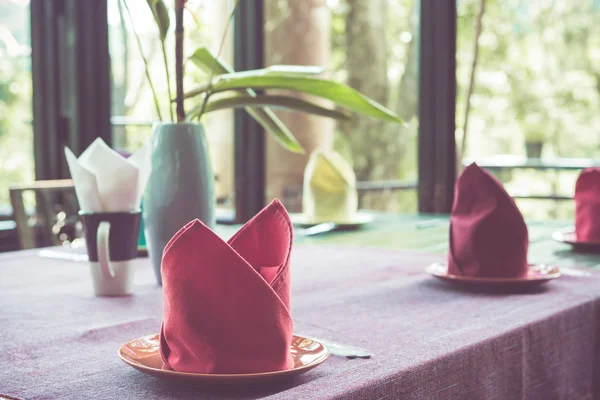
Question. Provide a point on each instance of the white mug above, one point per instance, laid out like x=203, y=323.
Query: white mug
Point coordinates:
x=111, y=256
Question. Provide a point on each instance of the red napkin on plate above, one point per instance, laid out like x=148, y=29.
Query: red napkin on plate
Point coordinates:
x=587, y=205
x=488, y=236
x=227, y=304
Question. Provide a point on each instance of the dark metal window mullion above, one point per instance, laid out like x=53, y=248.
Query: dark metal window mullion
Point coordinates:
x=437, y=103
x=249, y=136
x=71, y=80
x=45, y=98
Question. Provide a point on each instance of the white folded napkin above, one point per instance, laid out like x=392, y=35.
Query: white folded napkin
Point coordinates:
x=329, y=191
x=105, y=180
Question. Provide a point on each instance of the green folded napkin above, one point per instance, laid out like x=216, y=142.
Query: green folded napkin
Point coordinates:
x=329, y=191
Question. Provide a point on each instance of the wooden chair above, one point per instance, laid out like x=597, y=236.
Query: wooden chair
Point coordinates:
x=55, y=201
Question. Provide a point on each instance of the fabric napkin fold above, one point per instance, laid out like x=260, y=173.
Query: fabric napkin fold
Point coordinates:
x=587, y=205
x=329, y=190
x=227, y=304
x=104, y=180
x=488, y=235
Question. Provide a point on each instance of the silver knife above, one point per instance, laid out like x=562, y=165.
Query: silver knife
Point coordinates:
x=342, y=350
x=317, y=229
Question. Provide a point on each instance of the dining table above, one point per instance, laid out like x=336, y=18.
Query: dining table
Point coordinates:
x=365, y=288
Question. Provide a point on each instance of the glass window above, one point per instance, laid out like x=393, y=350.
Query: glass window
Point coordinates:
x=16, y=130
x=535, y=97
x=133, y=110
x=372, y=45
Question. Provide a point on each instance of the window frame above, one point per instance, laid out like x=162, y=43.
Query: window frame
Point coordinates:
x=249, y=136
x=71, y=80
x=437, y=165
x=76, y=116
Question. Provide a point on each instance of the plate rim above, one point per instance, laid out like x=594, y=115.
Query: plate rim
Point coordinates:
x=559, y=236
x=554, y=274
x=142, y=367
x=360, y=218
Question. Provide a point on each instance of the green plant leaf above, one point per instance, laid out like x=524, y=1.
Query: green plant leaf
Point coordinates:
x=269, y=121
x=204, y=59
x=161, y=16
x=342, y=95
x=287, y=70
x=281, y=101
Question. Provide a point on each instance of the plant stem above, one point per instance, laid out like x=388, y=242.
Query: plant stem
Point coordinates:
x=164, y=52
x=146, y=68
x=179, y=7
x=212, y=72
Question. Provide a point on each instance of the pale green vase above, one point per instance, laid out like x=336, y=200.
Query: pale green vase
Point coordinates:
x=180, y=188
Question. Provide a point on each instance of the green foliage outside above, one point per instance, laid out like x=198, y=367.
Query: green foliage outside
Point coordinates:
x=16, y=132
x=538, y=78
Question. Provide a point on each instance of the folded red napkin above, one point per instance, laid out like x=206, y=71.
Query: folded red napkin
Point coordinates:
x=587, y=205
x=227, y=304
x=488, y=236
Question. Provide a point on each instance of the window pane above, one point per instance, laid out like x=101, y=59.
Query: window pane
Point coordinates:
x=133, y=106
x=372, y=46
x=536, y=93
x=16, y=131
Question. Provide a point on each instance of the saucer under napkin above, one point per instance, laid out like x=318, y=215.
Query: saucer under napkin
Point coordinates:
x=536, y=275
x=143, y=354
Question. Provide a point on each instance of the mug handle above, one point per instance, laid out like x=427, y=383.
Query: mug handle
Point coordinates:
x=103, y=249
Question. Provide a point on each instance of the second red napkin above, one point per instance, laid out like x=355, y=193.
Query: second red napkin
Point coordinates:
x=587, y=205
x=488, y=236
x=227, y=304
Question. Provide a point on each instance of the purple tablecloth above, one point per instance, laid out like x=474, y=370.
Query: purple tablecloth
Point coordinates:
x=430, y=340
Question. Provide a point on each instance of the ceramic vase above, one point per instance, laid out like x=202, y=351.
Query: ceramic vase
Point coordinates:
x=180, y=187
